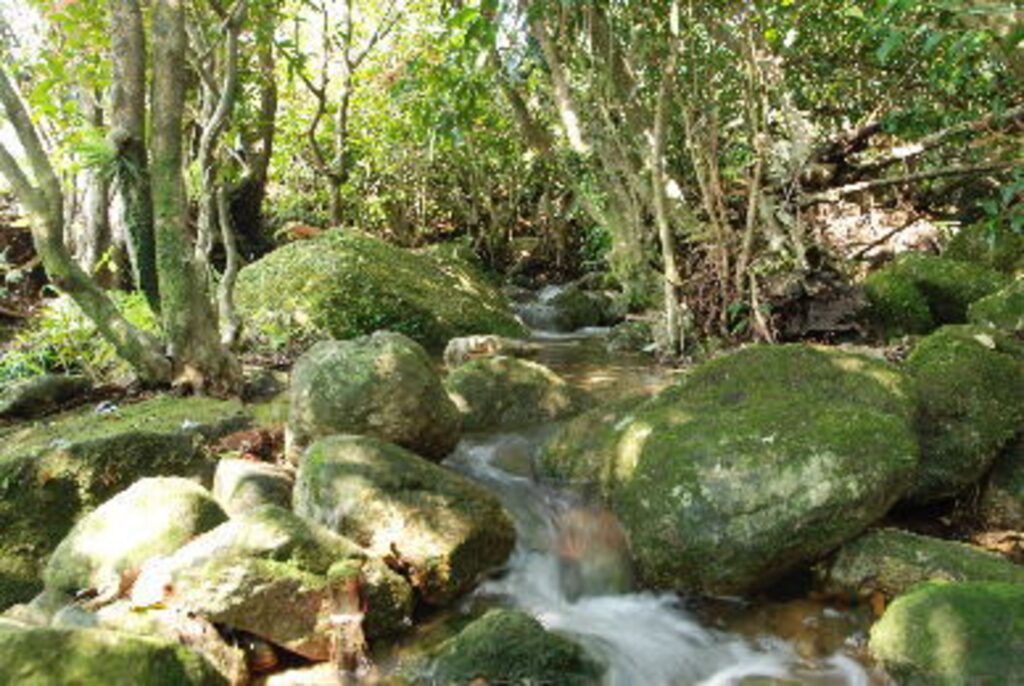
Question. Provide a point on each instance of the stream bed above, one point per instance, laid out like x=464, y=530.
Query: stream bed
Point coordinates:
x=652, y=639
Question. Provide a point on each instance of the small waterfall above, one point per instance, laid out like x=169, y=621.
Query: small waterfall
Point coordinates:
x=642, y=638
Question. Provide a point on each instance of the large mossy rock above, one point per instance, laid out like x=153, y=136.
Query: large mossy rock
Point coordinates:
x=382, y=385
x=919, y=292
x=1003, y=309
x=511, y=647
x=753, y=465
x=155, y=516
x=969, y=382
x=51, y=472
x=449, y=530
x=87, y=657
x=1002, y=498
x=243, y=485
x=39, y=395
x=347, y=284
x=892, y=561
x=949, y=634
x=996, y=246
x=505, y=392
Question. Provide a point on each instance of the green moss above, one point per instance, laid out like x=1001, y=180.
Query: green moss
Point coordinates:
x=993, y=245
x=53, y=471
x=510, y=647
x=918, y=292
x=1003, y=309
x=47, y=657
x=503, y=392
x=944, y=634
x=347, y=284
x=754, y=464
x=969, y=382
x=892, y=561
x=579, y=308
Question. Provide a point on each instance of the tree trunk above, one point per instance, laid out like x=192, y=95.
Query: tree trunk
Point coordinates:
x=128, y=134
x=190, y=322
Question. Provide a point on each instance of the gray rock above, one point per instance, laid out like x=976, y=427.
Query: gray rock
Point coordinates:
x=242, y=485
x=448, y=530
x=156, y=516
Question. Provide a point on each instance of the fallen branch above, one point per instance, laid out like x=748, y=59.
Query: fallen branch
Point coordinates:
x=882, y=239
x=836, y=194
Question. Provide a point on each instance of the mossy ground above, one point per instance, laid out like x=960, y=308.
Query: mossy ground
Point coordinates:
x=968, y=382
x=953, y=634
x=918, y=292
x=348, y=284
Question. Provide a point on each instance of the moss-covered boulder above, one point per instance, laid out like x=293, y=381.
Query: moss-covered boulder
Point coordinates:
x=755, y=464
x=953, y=634
x=1002, y=498
x=1003, y=309
x=448, y=530
x=579, y=308
x=969, y=382
x=38, y=395
x=892, y=561
x=505, y=392
x=243, y=485
x=155, y=516
x=511, y=647
x=345, y=284
x=65, y=657
x=51, y=472
x=918, y=292
x=382, y=385
x=996, y=246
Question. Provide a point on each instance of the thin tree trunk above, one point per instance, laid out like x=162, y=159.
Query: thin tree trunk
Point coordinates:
x=128, y=134
x=190, y=322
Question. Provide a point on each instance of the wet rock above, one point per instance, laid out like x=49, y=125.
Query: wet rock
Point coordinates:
x=949, y=634
x=1003, y=309
x=462, y=350
x=504, y=392
x=507, y=646
x=919, y=292
x=345, y=284
x=751, y=466
x=891, y=562
x=969, y=382
x=45, y=657
x=242, y=485
x=1002, y=498
x=40, y=395
x=155, y=516
x=579, y=308
x=382, y=385
x=445, y=530
x=53, y=472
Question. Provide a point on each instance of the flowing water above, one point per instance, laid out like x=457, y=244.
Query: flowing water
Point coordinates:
x=570, y=570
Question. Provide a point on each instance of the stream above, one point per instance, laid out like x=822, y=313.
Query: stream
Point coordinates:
x=570, y=569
